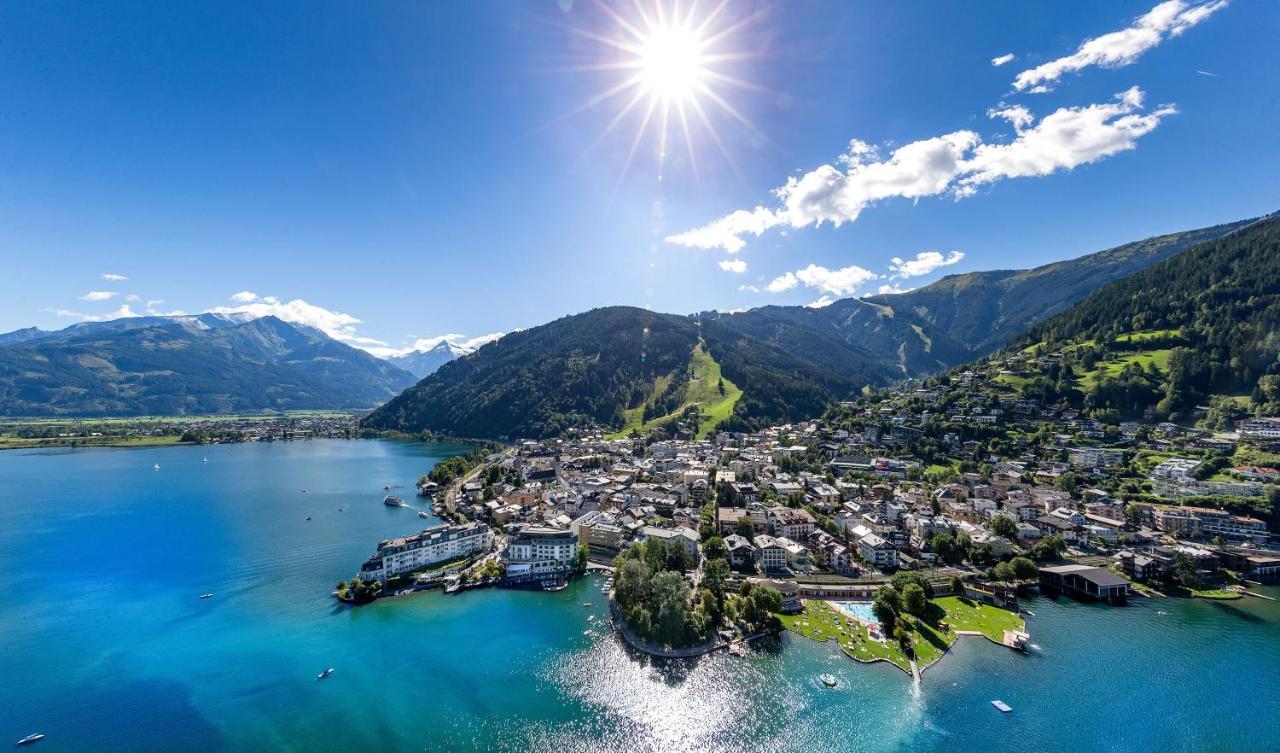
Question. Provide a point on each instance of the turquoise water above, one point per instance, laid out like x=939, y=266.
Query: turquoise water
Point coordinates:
x=105, y=645
x=858, y=610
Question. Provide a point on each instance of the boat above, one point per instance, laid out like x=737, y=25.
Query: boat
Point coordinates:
x=308, y=517
x=205, y=460
x=392, y=500
x=156, y=466
x=1004, y=707
x=586, y=603
x=37, y=737
x=735, y=649
x=328, y=671
x=828, y=680
x=423, y=514
x=452, y=588
x=206, y=596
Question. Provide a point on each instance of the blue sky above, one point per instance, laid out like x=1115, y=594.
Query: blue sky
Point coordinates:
x=400, y=171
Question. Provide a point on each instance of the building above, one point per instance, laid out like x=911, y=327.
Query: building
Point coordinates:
x=771, y=555
x=1085, y=582
x=685, y=537
x=1260, y=428
x=1195, y=522
x=1175, y=468
x=878, y=551
x=793, y=523
x=431, y=546
x=1094, y=457
x=536, y=550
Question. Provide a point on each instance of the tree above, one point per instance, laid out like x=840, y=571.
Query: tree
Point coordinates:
x=913, y=600
x=714, y=549
x=745, y=528
x=1003, y=572
x=582, y=557
x=715, y=576
x=957, y=585
x=1024, y=569
x=1003, y=525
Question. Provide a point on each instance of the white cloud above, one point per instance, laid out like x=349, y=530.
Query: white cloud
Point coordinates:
x=724, y=232
x=1120, y=48
x=335, y=324
x=98, y=295
x=737, y=266
x=112, y=277
x=1063, y=140
x=782, y=282
x=1005, y=58
x=844, y=281
x=955, y=163
x=924, y=263
x=748, y=289
x=1210, y=74
x=893, y=289
x=822, y=302
x=133, y=298
x=1017, y=115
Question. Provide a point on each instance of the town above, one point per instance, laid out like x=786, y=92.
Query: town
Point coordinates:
x=958, y=485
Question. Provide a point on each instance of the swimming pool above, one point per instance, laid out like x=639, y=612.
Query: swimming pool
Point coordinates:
x=858, y=610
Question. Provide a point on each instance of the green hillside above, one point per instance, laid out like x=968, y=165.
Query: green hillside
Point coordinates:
x=705, y=389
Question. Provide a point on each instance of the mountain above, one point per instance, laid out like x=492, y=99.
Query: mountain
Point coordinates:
x=966, y=316
x=422, y=363
x=210, y=363
x=1204, y=323
x=592, y=368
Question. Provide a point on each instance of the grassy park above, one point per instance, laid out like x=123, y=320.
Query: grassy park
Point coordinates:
x=930, y=637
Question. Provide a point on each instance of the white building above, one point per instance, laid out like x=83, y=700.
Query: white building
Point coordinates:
x=543, y=550
x=426, y=548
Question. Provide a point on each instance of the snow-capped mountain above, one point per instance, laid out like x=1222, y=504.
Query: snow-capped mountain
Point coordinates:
x=422, y=363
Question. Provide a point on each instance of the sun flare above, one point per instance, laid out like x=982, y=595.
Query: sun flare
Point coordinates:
x=670, y=64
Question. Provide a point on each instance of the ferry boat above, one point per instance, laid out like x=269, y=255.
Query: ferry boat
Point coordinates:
x=392, y=500
x=328, y=671
x=37, y=737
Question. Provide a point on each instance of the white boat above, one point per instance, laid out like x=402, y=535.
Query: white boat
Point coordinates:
x=37, y=737
x=325, y=673
x=205, y=460
x=828, y=680
x=1004, y=707
x=206, y=596
x=156, y=466
x=392, y=500
x=422, y=514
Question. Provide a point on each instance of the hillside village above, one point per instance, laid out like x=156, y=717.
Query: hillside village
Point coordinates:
x=961, y=479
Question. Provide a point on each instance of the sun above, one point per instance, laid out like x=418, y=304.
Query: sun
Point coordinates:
x=670, y=69
x=670, y=62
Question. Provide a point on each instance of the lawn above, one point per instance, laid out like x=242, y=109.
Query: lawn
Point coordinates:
x=703, y=391
x=966, y=614
x=1112, y=366
x=1151, y=334
x=820, y=621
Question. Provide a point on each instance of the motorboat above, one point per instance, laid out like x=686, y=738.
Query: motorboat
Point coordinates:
x=37, y=737
x=828, y=680
x=206, y=596
x=328, y=671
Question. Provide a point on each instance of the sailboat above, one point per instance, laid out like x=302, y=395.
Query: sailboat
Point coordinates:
x=156, y=466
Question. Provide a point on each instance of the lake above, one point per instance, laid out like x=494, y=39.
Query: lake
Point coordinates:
x=105, y=644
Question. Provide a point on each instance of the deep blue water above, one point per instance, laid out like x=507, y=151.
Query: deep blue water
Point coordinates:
x=105, y=645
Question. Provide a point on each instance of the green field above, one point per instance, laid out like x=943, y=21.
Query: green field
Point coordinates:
x=1115, y=364
x=19, y=443
x=1146, y=335
x=702, y=391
